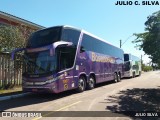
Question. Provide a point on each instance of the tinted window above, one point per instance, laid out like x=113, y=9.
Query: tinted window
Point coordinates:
x=70, y=35
x=135, y=67
x=92, y=44
x=44, y=37
x=126, y=57
x=127, y=66
x=87, y=43
x=66, y=56
x=39, y=63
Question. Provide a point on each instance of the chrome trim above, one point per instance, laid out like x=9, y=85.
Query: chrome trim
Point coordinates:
x=75, y=76
x=36, y=87
x=97, y=74
x=69, y=77
x=41, y=83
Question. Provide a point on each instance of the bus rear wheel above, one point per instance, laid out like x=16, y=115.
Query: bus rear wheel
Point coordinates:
x=91, y=83
x=81, y=84
x=139, y=73
x=115, y=78
x=119, y=77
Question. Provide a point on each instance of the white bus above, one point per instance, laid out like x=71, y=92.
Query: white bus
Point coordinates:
x=132, y=65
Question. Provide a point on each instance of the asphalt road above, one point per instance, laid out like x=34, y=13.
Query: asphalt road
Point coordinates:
x=136, y=94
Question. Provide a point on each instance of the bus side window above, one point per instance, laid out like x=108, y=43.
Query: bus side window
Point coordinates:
x=82, y=49
x=63, y=61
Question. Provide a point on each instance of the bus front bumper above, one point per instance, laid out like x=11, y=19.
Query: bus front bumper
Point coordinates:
x=41, y=89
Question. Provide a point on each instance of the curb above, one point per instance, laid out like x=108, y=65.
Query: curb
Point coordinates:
x=13, y=96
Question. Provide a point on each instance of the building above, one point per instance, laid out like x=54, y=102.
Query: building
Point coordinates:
x=10, y=75
x=26, y=27
x=8, y=19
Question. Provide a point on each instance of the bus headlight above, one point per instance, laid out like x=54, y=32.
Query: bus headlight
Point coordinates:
x=50, y=81
x=28, y=83
x=39, y=83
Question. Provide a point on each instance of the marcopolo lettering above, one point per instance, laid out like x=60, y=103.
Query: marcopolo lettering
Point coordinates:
x=100, y=58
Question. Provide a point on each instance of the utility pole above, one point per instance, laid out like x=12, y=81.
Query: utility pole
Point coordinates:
x=125, y=41
x=120, y=43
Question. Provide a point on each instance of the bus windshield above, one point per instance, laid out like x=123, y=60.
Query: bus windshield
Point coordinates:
x=51, y=35
x=126, y=57
x=44, y=37
x=40, y=63
x=127, y=66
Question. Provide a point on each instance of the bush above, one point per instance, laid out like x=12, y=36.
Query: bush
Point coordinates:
x=12, y=37
x=147, y=68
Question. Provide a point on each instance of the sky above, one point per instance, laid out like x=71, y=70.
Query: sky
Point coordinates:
x=100, y=17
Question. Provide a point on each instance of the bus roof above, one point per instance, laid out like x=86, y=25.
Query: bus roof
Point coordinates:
x=100, y=39
x=90, y=34
x=81, y=30
x=133, y=56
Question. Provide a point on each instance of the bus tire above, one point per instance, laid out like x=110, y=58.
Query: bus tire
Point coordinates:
x=115, y=78
x=91, y=83
x=133, y=75
x=139, y=73
x=119, y=77
x=81, y=84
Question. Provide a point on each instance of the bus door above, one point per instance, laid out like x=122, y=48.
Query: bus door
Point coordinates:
x=66, y=57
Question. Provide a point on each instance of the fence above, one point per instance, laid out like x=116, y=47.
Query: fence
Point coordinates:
x=10, y=71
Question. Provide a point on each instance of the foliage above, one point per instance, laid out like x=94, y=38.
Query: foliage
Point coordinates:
x=149, y=41
x=12, y=37
x=147, y=68
x=136, y=99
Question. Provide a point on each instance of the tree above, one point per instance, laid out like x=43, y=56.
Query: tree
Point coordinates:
x=149, y=41
x=12, y=37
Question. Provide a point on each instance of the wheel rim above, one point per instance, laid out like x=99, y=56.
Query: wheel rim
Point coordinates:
x=119, y=77
x=91, y=82
x=115, y=79
x=81, y=84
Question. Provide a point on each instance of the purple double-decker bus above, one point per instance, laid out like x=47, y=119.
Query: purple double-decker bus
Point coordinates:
x=62, y=58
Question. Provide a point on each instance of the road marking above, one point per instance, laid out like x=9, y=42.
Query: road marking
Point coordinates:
x=77, y=97
x=68, y=106
x=57, y=110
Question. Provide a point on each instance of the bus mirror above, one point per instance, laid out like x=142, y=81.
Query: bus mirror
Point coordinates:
x=59, y=43
x=52, y=52
x=14, y=51
x=82, y=50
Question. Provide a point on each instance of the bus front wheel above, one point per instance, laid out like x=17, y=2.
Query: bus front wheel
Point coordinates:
x=81, y=84
x=133, y=75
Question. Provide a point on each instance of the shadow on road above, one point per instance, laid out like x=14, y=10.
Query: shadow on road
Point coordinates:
x=136, y=99
x=32, y=99
x=38, y=98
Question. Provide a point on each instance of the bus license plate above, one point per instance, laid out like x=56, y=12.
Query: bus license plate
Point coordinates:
x=34, y=90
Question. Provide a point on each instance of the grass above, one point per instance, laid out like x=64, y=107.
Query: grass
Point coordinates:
x=15, y=90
